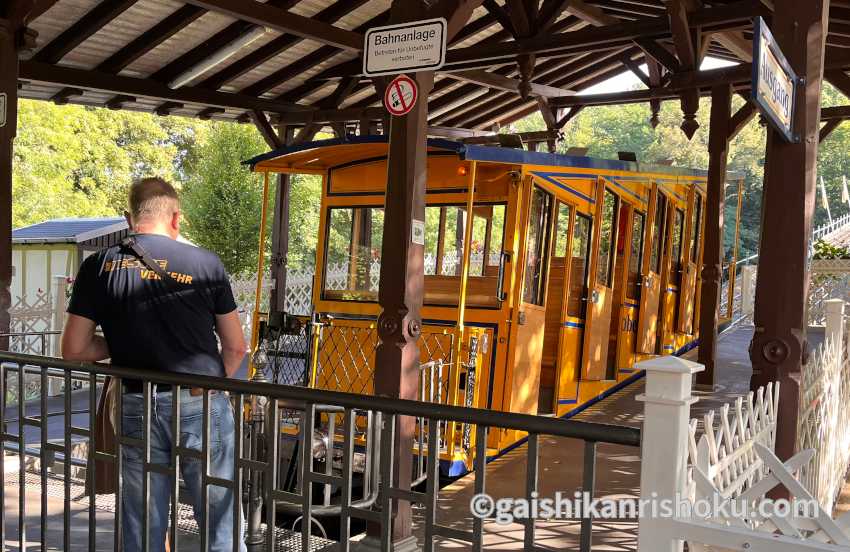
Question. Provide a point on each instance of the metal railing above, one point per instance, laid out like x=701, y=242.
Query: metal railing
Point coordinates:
x=263, y=470
x=830, y=227
x=32, y=342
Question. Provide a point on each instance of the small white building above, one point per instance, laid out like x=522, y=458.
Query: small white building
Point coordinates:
x=56, y=248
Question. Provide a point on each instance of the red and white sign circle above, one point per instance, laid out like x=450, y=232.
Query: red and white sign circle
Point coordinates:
x=400, y=96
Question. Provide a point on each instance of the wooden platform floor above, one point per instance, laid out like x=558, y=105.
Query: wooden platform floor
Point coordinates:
x=617, y=468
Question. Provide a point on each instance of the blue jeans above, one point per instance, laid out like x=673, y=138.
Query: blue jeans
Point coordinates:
x=221, y=446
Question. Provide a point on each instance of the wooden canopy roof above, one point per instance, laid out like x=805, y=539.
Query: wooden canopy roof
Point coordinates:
x=297, y=61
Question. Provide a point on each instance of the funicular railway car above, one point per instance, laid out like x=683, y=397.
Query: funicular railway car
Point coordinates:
x=565, y=271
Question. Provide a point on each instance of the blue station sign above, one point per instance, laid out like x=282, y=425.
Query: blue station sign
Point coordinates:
x=774, y=84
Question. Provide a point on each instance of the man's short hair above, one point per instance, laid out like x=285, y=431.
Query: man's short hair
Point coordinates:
x=152, y=198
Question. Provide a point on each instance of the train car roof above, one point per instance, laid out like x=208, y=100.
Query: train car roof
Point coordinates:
x=322, y=155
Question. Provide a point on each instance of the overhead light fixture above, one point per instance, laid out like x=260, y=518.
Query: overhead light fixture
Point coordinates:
x=217, y=58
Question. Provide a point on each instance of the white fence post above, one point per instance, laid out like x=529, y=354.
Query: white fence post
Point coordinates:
x=835, y=323
x=748, y=299
x=58, y=299
x=664, y=454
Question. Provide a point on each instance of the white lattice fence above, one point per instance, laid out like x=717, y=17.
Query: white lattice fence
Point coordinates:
x=32, y=316
x=824, y=421
x=725, y=450
x=830, y=279
x=726, y=475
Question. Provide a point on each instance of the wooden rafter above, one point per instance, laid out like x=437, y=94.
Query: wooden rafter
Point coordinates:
x=284, y=21
x=77, y=33
x=268, y=51
x=499, y=13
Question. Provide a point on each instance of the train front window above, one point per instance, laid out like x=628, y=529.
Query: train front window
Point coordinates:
x=635, y=255
x=353, y=253
x=606, y=237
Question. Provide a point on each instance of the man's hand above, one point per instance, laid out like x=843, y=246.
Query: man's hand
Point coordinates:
x=79, y=341
x=233, y=347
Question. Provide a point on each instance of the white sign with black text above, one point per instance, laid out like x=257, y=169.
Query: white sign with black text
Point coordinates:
x=405, y=48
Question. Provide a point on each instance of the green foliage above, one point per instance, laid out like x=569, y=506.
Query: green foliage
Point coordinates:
x=222, y=199
x=824, y=250
x=73, y=161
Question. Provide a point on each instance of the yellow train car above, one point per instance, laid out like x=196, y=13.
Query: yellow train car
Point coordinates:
x=564, y=272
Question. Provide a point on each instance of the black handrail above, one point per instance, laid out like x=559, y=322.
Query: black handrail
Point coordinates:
x=588, y=431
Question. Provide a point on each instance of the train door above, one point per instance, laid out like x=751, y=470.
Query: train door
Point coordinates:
x=690, y=267
x=557, y=287
x=650, y=293
x=618, y=300
x=531, y=315
x=600, y=302
x=671, y=276
x=635, y=228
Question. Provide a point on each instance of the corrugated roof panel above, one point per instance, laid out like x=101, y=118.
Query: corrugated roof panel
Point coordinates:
x=68, y=230
x=60, y=17
x=193, y=35
x=122, y=30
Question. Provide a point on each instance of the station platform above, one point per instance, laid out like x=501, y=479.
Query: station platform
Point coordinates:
x=561, y=460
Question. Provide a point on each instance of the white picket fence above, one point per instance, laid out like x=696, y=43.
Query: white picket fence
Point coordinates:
x=824, y=421
x=726, y=461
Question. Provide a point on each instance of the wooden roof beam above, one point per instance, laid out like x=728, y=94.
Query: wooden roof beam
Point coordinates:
x=839, y=80
x=284, y=21
x=145, y=88
x=94, y=20
x=266, y=130
x=719, y=18
x=828, y=127
x=500, y=82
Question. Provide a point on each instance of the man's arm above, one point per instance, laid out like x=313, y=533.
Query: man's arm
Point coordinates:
x=233, y=347
x=79, y=342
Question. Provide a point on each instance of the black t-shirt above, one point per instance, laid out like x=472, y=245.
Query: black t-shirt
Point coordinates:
x=148, y=324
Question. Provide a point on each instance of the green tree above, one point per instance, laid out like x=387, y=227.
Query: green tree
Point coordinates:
x=222, y=199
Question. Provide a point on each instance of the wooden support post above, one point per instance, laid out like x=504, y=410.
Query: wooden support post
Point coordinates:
x=400, y=293
x=779, y=348
x=11, y=17
x=718, y=149
x=280, y=232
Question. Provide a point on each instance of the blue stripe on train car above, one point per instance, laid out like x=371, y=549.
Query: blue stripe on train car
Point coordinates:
x=457, y=468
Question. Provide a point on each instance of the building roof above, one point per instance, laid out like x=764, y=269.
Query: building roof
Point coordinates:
x=68, y=230
x=295, y=61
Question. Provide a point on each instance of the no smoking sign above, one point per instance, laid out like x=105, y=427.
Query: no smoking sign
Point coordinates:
x=400, y=96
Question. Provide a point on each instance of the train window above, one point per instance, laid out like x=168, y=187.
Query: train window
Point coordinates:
x=453, y=230
x=606, y=237
x=434, y=219
x=353, y=253
x=536, y=247
x=579, y=265
x=562, y=230
x=676, y=251
x=697, y=229
x=658, y=234
x=497, y=232
x=635, y=255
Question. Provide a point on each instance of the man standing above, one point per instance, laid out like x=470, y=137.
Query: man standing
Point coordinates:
x=160, y=304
